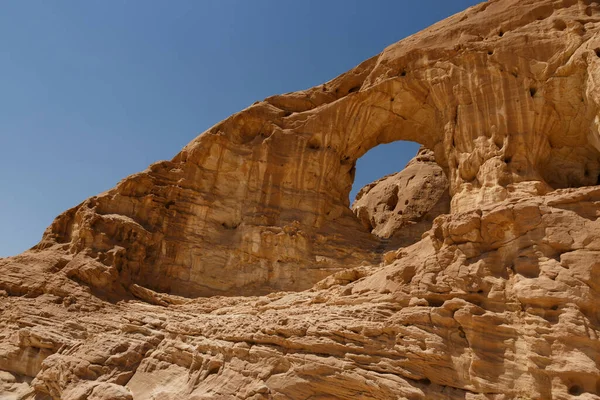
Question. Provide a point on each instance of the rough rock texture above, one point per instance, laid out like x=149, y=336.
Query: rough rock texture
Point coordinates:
x=496, y=303
x=403, y=205
x=499, y=300
x=505, y=94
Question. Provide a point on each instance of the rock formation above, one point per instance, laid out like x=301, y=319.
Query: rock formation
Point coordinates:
x=498, y=300
x=402, y=206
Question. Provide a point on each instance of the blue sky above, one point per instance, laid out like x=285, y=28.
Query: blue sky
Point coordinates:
x=93, y=91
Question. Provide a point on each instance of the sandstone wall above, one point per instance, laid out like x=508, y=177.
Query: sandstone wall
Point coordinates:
x=499, y=300
x=505, y=94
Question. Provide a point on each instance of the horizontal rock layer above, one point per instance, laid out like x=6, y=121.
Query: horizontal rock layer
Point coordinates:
x=498, y=303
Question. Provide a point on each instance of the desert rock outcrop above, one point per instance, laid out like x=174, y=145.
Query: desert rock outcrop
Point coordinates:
x=401, y=206
x=504, y=94
x=498, y=300
x=497, y=303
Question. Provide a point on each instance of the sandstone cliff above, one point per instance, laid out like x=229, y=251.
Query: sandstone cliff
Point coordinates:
x=498, y=300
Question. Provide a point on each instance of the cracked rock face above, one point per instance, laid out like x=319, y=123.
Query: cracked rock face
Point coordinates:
x=500, y=299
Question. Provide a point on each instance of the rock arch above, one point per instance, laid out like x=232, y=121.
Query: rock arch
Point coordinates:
x=258, y=202
x=400, y=207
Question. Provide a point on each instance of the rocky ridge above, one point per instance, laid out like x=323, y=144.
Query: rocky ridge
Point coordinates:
x=498, y=300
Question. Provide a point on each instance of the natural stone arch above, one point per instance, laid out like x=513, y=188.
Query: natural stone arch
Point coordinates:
x=259, y=202
x=400, y=207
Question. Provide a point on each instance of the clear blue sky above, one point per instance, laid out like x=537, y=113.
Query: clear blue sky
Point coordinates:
x=93, y=91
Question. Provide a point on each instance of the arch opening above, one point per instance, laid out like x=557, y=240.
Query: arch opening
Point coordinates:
x=398, y=191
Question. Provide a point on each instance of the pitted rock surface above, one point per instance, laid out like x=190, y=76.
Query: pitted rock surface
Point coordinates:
x=505, y=94
x=498, y=300
x=402, y=206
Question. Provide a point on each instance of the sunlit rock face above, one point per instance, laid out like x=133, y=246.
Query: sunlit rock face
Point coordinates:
x=505, y=94
x=498, y=300
x=401, y=207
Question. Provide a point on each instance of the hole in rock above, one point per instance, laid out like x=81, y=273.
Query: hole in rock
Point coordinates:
x=532, y=91
x=354, y=89
x=381, y=161
x=392, y=200
x=560, y=25
x=435, y=302
x=575, y=390
x=213, y=369
x=597, y=51
x=314, y=143
x=230, y=225
x=395, y=187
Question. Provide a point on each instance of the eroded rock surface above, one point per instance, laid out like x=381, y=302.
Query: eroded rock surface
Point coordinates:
x=505, y=94
x=402, y=206
x=497, y=303
x=499, y=300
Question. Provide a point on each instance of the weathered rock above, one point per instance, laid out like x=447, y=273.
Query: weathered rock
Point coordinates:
x=502, y=302
x=402, y=206
x=499, y=300
x=503, y=93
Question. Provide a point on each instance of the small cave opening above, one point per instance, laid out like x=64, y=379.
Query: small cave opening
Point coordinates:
x=571, y=167
x=398, y=190
x=575, y=390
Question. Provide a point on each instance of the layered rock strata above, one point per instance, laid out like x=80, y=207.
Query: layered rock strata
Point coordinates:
x=498, y=300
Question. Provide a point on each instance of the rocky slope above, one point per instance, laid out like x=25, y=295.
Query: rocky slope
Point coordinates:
x=498, y=300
